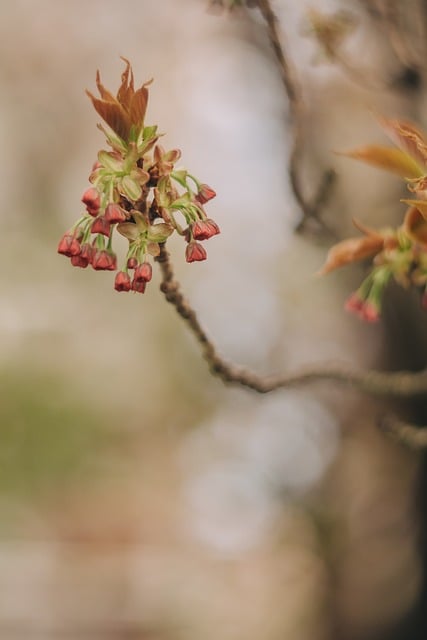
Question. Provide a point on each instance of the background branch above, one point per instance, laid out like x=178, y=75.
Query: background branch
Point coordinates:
x=410, y=435
x=310, y=210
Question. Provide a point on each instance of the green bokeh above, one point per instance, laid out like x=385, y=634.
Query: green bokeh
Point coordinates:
x=49, y=438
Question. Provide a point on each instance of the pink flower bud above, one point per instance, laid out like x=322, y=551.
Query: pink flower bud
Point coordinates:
x=370, y=312
x=114, y=213
x=69, y=245
x=365, y=309
x=92, y=200
x=104, y=260
x=122, y=281
x=195, y=252
x=354, y=303
x=205, y=194
x=132, y=263
x=87, y=252
x=143, y=272
x=204, y=229
x=138, y=286
x=79, y=261
x=101, y=225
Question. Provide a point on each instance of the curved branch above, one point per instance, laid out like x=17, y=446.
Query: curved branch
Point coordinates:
x=293, y=90
x=376, y=383
x=410, y=435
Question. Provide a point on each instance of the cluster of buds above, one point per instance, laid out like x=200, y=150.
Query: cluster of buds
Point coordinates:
x=138, y=192
x=398, y=254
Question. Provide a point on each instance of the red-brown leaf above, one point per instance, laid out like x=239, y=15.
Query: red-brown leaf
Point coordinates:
x=352, y=250
x=394, y=160
x=113, y=114
x=408, y=138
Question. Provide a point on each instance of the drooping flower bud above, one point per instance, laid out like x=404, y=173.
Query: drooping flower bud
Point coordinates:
x=138, y=286
x=114, y=213
x=92, y=200
x=369, y=312
x=87, y=252
x=132, y=263
x=122, y=281
x=366, y=309
x=69, y=245
x=101, y=225
x=354, y=303
x=104, y=260
x=205, y=194
x=204, y=229
x=143, y=272
x=79, y=261
x=195, y=252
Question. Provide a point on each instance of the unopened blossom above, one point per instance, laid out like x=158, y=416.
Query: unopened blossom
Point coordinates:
x=122, y=281
x=138, y=286
x=195, y=252
x=365, y=309
x=114, y=213
x=69, y=245
x=205, y=193
x=204, y=229
x=87, y=252
x=101, y=225
x=143, y=272
x=104, y=260
x=92, y=200
x=132, y=263
x=80, y=261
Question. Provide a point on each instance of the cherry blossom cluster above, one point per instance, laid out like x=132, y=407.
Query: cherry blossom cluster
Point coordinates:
x=138, y=192
x=397, y=254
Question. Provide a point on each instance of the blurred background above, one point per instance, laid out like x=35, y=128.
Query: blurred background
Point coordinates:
x=139, y=496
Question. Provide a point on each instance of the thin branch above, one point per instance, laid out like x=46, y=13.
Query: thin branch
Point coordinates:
x=376, y=383
x=310, y=210
x=410, y=435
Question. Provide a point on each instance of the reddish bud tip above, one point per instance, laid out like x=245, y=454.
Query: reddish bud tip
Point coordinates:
x=195, y=252
x=122, y=281
x=354, y=303
x=104, y=260
x=92, y=200
x=370, y=312
x=114, y=213
x=205, y=194
x=132, y=263
x=101, y=225
x=79, y=261
x=143, y=272
x=138, y=286
x=69, y=245
x=87, y=252
x=365, y=309
x=204, y=229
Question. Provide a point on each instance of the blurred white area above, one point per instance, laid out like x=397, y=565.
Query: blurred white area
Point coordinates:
x=247, y=462
x=214, y=509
